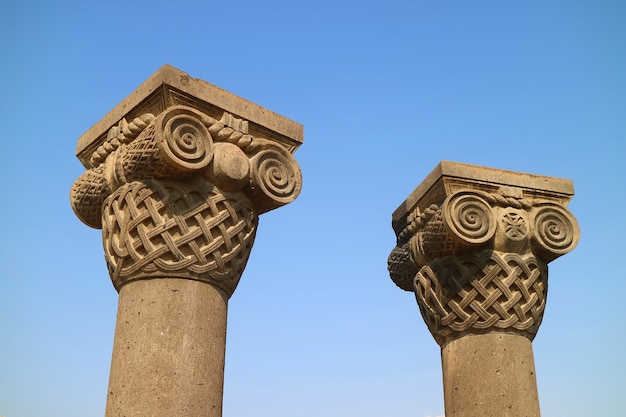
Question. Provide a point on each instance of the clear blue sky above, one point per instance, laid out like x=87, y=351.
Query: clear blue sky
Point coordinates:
x=385, y=90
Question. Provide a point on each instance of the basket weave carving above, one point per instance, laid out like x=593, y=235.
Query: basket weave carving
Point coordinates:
x=434, y=240
x=177, y=229
x=401, y=267
x=480, y=292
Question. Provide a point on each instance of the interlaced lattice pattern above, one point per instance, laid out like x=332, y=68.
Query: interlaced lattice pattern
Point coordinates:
x=143, y=158
x=177, y=229
x=480, y=292
x=435, y=241
x=86, y=197
x=401, y=267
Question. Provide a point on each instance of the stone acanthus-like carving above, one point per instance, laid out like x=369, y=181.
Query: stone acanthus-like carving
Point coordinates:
x=477, y=261
x=179, y=194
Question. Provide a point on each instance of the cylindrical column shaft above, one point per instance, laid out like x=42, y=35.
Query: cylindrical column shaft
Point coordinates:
x=489, y=375
x=168, y=353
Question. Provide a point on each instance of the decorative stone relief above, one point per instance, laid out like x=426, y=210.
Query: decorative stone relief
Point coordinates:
x=182, y=197
x=178, y=192
x=477, y=260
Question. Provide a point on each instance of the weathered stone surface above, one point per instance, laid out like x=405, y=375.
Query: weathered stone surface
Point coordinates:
x=491, y=375
x=154, y=229
x=473, y=244
x=168, y=355
x=177, y=127
x=177, y=176
x=178, y=189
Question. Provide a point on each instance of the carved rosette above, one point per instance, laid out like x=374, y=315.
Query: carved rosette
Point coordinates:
x=478, y=262
x=179, y=194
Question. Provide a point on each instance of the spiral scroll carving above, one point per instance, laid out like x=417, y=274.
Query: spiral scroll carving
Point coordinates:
x=276, y=178
x=482, y=292
x=469, y=217
x=183, y=143
x=555, y=229
x=184, y=138
x=177, y=229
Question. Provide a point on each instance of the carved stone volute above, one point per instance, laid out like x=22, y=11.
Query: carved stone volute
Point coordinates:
x=473, y=243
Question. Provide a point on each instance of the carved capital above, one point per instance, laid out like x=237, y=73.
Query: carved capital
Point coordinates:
x=473, y=244
x=178, y=190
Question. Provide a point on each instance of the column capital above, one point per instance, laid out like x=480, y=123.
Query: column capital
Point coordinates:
x=473, y=244
x=177, y=175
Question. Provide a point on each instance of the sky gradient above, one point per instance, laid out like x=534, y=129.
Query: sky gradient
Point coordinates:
x=385, y=91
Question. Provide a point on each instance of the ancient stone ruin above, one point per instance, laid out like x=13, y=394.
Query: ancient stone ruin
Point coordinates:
x=176, y=177
x=473, y=244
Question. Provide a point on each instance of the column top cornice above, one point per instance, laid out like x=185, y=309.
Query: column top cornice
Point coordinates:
x=449, y=177
x=170, y=86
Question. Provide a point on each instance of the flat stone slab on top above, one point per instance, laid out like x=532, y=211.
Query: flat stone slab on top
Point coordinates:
x=170, y=86
x=449, y=177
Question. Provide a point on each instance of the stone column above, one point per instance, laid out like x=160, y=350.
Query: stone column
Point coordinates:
x=177, y=176
x=473, y=244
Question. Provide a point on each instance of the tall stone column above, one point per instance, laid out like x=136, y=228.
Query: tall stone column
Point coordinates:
x=473, y=244
x=176, y=177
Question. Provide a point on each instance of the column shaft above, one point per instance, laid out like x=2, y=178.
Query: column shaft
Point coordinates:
x=168, y=353
x=490, y=375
